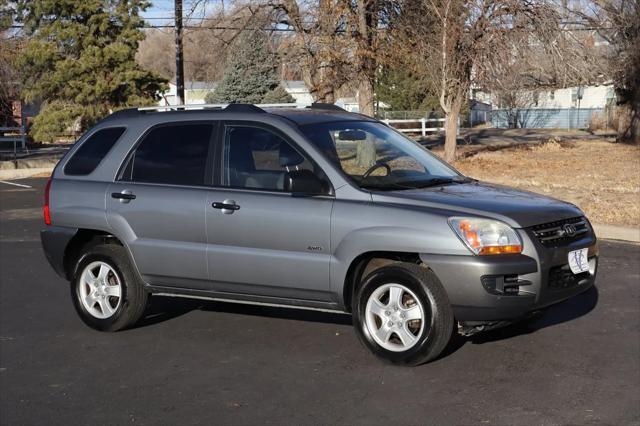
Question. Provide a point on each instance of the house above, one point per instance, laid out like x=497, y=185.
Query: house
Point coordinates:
x=298, y=90
x=568, y=107
x=195, y=93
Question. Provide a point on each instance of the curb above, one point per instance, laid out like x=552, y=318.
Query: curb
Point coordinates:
x=8, y=174
x=616, y=232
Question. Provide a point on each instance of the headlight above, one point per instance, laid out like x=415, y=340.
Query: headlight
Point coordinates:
x=486, y=236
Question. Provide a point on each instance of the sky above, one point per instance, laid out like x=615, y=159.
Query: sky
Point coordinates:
x=161, y=11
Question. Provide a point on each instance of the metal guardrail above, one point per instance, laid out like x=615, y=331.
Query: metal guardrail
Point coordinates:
x=423, y=129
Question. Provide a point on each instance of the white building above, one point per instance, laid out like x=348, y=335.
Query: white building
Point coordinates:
x=195, y=93
x=568, y=97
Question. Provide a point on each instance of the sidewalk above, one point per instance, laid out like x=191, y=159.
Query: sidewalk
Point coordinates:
x=24, y=168
x=617, y=232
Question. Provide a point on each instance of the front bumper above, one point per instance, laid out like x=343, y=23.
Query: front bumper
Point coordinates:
x=474, y=284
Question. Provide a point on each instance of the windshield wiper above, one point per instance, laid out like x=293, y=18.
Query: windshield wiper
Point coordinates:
x=391, y=186
x=386, y=187
x=442, y=181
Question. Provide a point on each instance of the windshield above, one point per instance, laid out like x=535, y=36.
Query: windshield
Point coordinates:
x=379, y=158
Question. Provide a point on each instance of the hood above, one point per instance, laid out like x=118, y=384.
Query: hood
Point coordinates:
x=516, y=207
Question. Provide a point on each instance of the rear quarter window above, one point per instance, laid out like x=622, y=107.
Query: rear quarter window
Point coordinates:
x=92, y=151
x=174, y=154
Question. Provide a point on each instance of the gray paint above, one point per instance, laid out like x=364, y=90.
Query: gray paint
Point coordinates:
x=298, y=250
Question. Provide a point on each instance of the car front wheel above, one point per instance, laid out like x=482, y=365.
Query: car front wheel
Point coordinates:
x=403, y=315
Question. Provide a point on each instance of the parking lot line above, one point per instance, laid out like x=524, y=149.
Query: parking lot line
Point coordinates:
x=15, y=184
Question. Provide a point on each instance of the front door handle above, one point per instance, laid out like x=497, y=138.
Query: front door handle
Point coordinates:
x=227, y=206
x=124, y=196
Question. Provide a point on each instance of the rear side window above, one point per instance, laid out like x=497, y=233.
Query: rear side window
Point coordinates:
x=93, y=150
x=173, y=154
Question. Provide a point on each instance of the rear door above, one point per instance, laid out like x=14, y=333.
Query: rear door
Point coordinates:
x=263, y=240
x=158, y=203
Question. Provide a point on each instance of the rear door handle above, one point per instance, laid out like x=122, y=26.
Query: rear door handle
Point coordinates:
x=124, y=196
x=227, y=206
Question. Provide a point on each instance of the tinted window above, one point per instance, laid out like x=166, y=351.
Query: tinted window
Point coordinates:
x=256, y=158
x=92, y=151
x=175, y=154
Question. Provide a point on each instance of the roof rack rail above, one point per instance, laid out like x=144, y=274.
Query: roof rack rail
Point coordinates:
x=234, y=106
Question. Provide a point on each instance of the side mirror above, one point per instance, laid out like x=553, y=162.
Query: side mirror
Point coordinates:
x=304, y=182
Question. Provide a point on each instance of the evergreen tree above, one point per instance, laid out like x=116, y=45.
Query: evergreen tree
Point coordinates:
x=250, y=76
x=278, y=96
x=402, y=90
x=80, y=61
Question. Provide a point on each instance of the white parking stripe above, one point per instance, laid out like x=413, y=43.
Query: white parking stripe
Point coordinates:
x=16, y=184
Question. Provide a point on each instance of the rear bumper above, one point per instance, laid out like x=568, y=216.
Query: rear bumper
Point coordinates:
x=543, y=273
x=54, y=243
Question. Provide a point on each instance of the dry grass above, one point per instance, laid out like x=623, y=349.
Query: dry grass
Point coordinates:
x=600, y=177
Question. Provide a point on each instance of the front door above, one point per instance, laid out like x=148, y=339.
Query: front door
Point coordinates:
x=263, y=240
x=158, y=204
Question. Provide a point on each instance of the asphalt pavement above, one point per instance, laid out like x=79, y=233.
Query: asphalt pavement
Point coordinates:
x=194, y=362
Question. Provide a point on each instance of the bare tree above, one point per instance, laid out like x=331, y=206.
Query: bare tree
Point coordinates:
x=206, y=42
x=318, y=44
x=618, y=22
x=460, y=41
x=338, y=41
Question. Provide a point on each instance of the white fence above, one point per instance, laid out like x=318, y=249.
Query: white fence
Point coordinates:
x=423, y=129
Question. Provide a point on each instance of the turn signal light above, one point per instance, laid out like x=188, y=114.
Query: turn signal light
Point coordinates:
x=500, y=249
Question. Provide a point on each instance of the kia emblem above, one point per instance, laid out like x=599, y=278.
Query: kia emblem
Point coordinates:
x=569, y=229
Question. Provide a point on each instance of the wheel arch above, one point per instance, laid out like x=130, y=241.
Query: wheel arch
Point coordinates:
x=80, y=242
x=365, y=263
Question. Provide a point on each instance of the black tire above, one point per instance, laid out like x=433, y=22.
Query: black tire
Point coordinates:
x=133, y=295
x=438, y=320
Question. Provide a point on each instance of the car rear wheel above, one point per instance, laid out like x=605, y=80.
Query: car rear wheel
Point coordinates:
x=403, y=315
x=105, y=290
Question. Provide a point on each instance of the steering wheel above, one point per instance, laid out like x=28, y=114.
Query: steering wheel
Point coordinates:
x=375, y=167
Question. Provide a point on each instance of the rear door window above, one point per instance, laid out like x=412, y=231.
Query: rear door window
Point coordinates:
x=92, y=151
x=175, y=154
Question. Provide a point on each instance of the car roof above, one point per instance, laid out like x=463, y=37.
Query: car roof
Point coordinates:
x=302, y=116
x=312, y=114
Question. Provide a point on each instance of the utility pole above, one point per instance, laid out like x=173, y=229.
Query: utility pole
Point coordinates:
x=179, y=56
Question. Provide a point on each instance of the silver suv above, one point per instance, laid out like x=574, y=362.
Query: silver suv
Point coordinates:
x=312, y=208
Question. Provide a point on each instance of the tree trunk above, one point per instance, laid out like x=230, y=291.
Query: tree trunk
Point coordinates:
x=451, y=133
x=365, y=96
x=366, y=150
x=628, y=125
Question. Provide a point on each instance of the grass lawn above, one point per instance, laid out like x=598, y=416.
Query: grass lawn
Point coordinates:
x=600, y=177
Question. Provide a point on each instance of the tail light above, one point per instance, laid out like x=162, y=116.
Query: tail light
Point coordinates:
x=45, y=208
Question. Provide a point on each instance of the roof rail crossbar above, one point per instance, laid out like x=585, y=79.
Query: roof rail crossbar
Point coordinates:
x=235, y=106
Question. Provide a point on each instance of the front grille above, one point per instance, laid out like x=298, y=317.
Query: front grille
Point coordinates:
x=561, y=232
x=561, y=278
